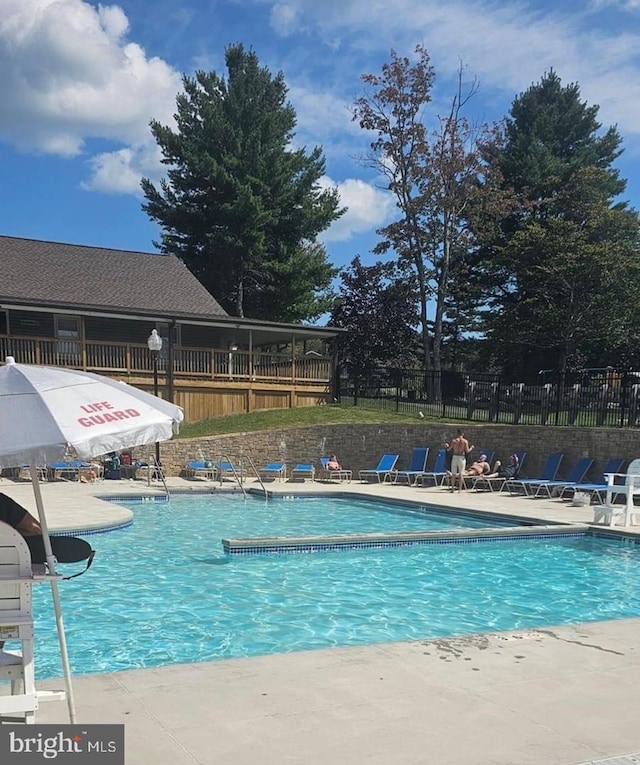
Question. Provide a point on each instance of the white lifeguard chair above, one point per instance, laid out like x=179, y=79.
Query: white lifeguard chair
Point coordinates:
x=609, y=512
x=17, y=666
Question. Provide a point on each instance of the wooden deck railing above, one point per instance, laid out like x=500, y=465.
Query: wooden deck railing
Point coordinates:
x=132, y=359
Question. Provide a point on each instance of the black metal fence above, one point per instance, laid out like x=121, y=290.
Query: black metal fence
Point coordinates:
x=588, y=398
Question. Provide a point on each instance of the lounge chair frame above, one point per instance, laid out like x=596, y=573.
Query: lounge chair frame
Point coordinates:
x=548, y=473
x=275, y=470
x=334, y=475
x=417, y=466
x=383, y=469
x=304, y=470
x=577, y=473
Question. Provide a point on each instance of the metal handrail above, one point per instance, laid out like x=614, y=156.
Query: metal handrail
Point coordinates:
x=155, y=465
x=257, y=474
x=238, y=478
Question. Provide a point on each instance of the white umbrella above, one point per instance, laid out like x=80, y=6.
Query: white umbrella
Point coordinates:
x=48, y=414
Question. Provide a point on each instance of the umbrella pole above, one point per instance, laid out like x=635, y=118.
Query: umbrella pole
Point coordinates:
x=51, y=565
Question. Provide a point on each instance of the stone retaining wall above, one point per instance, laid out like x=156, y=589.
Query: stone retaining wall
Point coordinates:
x=359, y=447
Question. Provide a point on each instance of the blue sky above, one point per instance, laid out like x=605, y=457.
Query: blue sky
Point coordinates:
x=80, y=82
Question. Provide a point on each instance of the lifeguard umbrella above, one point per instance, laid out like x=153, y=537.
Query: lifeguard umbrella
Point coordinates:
x=48, y=414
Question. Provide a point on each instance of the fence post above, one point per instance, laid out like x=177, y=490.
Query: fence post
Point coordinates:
x=560, y=393
x=574, y=403
x=493, y=402
x=545, y=403
x=603, y=401
x=634, y=395
x=471, y=395
x=517, y=390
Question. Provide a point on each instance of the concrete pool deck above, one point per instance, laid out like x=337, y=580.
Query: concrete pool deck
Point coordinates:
x=553, y=696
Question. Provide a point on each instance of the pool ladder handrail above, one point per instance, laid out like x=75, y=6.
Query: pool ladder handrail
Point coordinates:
x=156, y=467
x=238, y=477
x=256, y=472
x=226, y=458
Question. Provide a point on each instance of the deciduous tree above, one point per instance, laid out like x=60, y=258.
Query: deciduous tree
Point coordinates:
x=433, y=169
x=377, y=304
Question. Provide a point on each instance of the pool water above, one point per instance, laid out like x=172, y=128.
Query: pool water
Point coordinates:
x=231, y=516
x=162, y=592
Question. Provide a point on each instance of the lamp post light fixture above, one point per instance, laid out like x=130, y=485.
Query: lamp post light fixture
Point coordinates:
x=154, y=341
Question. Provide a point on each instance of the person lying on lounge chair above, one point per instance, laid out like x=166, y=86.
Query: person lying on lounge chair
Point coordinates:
x=508, y=471
x=479, y=467
x=333, y=463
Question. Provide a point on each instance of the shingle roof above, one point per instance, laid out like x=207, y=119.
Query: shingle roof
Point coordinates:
x=72, y=276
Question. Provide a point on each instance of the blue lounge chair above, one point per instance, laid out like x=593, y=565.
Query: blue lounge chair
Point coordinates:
x=225, y=469
x=437, y=473
x=577, y=474
x=599, y=488
x=549, y=472
x=416, y=467
x=381, y=471
x=304, y=470
x=330, y=475
x=497, y=483
x=275, y=470
x=200, y=469
x=68, y=470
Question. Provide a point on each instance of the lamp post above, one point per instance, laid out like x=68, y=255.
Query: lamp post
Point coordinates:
x=154, y=341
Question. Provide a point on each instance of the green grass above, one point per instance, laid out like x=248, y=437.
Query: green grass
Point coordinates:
x=375, y=411
x=290, y=418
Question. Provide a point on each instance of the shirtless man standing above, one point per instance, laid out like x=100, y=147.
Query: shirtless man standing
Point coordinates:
x=459, y=447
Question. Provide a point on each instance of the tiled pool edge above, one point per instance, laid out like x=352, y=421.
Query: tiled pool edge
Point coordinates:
x=282, y=545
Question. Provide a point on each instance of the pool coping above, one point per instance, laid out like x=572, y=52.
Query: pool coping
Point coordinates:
x=525, y=527
x=378, y=540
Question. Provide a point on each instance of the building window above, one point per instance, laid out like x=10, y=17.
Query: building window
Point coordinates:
x=67, y=330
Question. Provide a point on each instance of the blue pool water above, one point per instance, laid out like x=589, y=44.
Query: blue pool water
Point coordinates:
x=230, y=515
x=162, y=592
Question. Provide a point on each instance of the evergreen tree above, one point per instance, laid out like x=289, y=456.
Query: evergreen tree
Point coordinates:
x=239, y=206
x=564, y=267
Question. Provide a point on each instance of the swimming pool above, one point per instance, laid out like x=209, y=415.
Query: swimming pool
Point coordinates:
x=321, y=515
x=161, y=592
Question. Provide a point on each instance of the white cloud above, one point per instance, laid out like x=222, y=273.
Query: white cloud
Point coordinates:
x=285, y=19
x=626, y=5
x=120, y=171
x=323, y=118
x=69, y=75
x=369, y=208
x=508, y=46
